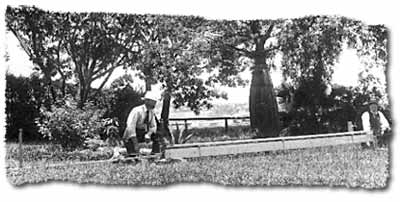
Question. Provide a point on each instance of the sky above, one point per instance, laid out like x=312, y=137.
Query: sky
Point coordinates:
x=370, y=11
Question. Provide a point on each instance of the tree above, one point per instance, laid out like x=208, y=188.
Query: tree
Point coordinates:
x=175, y=53
x=310, y=48
x=254, y=41
x=371, y=44
x=89, y=45
x=94, y=46
x=41, y=39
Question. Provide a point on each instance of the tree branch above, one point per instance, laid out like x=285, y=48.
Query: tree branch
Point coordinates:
x=23, y=43
x=103, y=73
x=104, y=82
x=265, y=36
x=241, y=50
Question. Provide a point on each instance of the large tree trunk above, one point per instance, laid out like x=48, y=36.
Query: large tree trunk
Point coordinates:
x=83, y=95
x=164, y=124
x=263, y=107
x=165, y=107
x=147, y=83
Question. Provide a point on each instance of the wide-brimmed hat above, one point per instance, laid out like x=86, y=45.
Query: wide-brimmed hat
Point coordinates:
x=373, y=101
x=150, y=95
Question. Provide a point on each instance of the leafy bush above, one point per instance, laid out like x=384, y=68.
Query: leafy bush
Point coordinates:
x=70, y=126
x=118, y=100
x=312, y=112
x=24, y=97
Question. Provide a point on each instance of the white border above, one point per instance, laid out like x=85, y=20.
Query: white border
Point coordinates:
x=371, y=12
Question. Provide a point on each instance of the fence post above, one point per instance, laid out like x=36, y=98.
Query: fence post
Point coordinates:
x=186, y=126
x=20, y=147
x=350, y=126
x=226, y=125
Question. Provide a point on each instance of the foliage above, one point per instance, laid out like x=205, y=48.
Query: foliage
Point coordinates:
x=24, y=97
x=238, y=45
x=111, y=132
x=81, y=46
x=70, y=126
x=175, y=53
x=180, y=136
x=343, y=104
x=339, y=166
x=119, y=100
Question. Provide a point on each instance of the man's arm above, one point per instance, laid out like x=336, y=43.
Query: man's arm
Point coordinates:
x=130, y=130
x=384, y=121
x=153, y=124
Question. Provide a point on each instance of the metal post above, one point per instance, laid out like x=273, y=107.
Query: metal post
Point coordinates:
x=226, y=125
x=20, y=147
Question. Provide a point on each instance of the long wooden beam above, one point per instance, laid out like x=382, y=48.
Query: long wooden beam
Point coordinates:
x=265, y=144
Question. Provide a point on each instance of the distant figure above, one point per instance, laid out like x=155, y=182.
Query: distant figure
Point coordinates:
x=375, y=122
x=140, y=125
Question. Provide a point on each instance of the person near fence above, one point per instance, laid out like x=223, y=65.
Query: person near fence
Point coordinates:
x=141, y=124
x=376, y=124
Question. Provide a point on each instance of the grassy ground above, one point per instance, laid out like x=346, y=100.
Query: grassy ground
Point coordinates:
x=345, y=166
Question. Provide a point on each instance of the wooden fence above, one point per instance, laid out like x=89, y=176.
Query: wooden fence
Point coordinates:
x=185, y=120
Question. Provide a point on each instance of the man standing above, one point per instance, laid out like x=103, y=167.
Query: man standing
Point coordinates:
x=140, y=125
x=375, y=123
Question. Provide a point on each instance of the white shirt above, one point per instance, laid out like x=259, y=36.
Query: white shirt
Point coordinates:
x=136, y=120
x=366, y=124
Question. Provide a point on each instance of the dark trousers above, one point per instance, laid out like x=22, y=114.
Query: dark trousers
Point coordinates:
x=384, y=140
x=380, y=140
x=132, y=143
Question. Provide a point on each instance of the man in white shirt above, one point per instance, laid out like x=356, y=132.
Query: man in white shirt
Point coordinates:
x=141, y=124
x=375, y=123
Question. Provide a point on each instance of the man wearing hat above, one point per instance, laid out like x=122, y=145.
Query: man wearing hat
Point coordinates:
x=375, y=123
x=141, y=124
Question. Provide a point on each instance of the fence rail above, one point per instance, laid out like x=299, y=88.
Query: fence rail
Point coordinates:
x=225, y=118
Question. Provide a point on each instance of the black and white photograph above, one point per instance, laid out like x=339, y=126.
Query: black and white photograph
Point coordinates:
x=155, y=99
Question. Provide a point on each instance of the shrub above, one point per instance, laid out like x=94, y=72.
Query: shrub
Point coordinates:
x=24, y=97
x=70, y=126
x=119, y=100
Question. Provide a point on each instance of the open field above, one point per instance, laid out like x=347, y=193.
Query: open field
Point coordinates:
x=344, y=166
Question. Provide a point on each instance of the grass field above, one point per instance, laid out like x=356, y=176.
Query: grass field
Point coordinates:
x=344, y=166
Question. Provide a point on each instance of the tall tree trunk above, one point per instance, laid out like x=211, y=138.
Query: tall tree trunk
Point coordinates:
x=147, y=84
x=165, y=114
x=63, y=87
x=83, y=95
x=165, y=107
x=263, y=107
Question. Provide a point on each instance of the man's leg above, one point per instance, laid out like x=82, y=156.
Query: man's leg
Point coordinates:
x=131, y=146
x=155, y=147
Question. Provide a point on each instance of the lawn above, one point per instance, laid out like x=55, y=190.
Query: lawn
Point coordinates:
x=344, y=166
